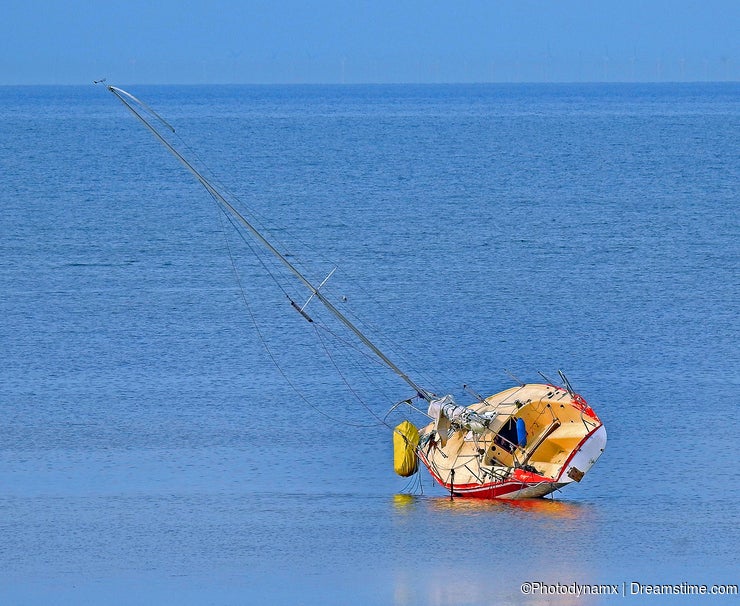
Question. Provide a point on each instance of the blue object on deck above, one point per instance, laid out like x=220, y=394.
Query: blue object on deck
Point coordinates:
x=521, y=433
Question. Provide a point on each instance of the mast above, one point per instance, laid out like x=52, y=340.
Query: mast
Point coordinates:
x=124, y=97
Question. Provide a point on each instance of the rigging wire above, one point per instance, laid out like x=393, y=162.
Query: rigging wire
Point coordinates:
x=260, y=257
x=316, y=325
x=350, y=345
x=253, y=250
x=254, y=216
x=262, y=339
x=225, y=205
x=394, y=346
x=347, y=383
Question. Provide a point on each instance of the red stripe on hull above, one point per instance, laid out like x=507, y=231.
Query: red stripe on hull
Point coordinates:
x=518, y=481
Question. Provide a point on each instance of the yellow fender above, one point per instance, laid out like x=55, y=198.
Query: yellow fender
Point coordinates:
x=405, y=441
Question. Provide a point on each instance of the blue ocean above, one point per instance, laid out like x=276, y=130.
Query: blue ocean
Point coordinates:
x=173, y=432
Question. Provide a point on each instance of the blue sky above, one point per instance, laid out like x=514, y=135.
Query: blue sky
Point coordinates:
x=227, y=41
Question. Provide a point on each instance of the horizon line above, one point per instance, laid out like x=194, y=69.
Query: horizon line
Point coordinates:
x=380, y=83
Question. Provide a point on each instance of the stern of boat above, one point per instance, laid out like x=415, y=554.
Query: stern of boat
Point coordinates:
x=583, y=457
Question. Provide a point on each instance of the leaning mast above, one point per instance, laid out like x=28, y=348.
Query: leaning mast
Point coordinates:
x=125, y=98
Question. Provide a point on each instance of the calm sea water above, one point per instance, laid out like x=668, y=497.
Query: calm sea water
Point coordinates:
x=152, y=452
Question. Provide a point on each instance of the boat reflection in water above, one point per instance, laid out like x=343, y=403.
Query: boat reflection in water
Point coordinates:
x=545, y=508
x=542, y=508
x=500, y=545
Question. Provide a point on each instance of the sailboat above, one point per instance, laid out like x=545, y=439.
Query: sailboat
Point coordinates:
x=527, y=441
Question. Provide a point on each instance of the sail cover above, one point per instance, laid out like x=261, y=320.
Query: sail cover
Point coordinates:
x=446, y=412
